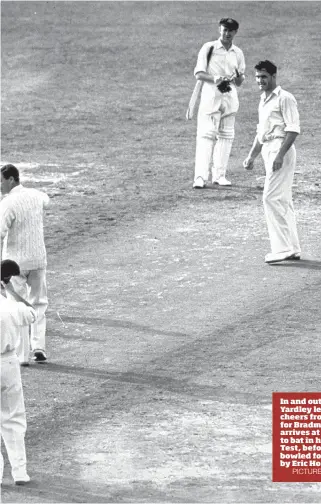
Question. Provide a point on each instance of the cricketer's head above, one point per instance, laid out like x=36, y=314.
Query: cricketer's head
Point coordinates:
x=9, y=178
x=265, y=75
x=228, y=28
x=9, y=268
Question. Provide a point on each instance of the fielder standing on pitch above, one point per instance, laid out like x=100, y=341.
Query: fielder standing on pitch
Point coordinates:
x=13, y=316
x=279, y=125
x=220, y=67
x=21, y=229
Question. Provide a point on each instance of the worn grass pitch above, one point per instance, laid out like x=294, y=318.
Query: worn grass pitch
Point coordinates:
x=166, y=331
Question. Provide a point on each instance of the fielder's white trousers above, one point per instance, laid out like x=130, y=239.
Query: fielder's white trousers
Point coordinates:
x=32, y=286
x=277, y=199
x=13, y=416
x=216, y=125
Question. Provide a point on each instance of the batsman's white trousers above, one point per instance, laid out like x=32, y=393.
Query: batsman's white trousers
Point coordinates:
x=218, y=124
x=31, y=285
x=13, y=415
x=277, y=199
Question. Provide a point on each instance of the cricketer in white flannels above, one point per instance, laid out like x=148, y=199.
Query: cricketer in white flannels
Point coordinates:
x=21, y=225
x=217, y=111
x=279, y=125
x=13, y=315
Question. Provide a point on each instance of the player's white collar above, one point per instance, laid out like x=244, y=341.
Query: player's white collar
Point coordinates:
x=232, y=48
x=276, y=91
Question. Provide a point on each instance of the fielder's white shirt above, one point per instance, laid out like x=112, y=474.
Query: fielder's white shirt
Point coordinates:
x=277, y=115
x=222, y=64
x=21, y=225
x=12, y=316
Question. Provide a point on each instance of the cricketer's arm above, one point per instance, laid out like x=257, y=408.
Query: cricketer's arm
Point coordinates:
x=248, y=163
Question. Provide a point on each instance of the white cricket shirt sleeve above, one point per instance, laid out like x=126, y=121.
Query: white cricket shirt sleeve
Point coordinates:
x=6, y=217
x=201, y=64
x=240, y=61
x=290, y=113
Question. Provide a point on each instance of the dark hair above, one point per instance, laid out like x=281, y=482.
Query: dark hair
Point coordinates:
x=9, y=170
x=229, y=23
x=266, y=65
x=9, y=268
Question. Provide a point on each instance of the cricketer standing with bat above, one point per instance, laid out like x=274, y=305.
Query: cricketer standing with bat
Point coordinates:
x=219, y=76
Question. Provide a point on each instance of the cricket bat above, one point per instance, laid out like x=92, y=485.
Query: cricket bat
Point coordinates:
x=192, y=106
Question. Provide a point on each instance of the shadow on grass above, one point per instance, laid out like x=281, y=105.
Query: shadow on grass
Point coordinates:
x=240, y=189
x=45, y=487
x=123, y=324
x=235, y=192
x=59, y=488
x=303, y=263
x=163, y=383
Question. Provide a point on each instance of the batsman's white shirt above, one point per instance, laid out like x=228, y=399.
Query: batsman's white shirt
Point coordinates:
x=222, y=64
x=277, y=115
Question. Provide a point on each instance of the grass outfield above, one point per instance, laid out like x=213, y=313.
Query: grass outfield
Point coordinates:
x=166, y=331
x=108, y=82
x=102, y=88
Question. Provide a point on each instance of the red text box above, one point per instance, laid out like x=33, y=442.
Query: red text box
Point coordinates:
x=296, y=436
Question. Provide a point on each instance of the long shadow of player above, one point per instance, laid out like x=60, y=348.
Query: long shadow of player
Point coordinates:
x=303, y=263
